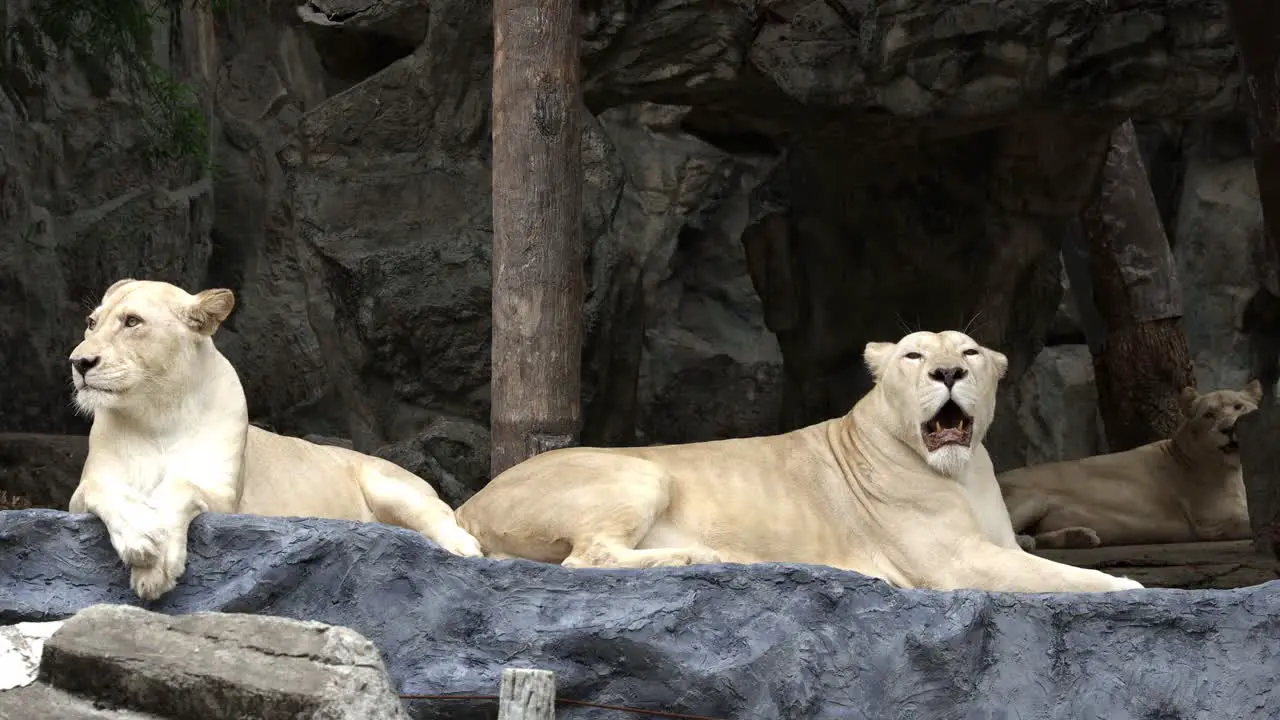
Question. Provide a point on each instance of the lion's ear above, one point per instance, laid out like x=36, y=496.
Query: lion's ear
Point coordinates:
x=1254, y=390
x=1000, y=361
x=877, y=355
x=210, y=308
x=116, y=286
x=1187, y=400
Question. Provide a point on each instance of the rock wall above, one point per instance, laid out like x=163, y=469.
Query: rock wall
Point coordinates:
x=767, y=189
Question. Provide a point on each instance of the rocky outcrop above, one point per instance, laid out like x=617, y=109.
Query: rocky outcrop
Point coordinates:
x=113, y=661
x=730, y=641
x=769, y=186
x=82, y=204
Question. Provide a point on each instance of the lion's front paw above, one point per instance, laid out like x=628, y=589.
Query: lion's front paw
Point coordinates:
x=152, y=582
x=1124, y=583
x=141, y=543
x=1080, y=537
x=458, y=541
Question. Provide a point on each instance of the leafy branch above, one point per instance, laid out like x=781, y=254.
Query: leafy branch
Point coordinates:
x=115, y=36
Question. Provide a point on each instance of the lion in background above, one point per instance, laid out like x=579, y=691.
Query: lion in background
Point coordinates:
x=900, y=488
x=1183, y=489
x=171, y=439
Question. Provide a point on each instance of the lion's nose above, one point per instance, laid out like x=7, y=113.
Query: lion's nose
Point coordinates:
x=84, y=364
x=948, y=376
x=1230, y=432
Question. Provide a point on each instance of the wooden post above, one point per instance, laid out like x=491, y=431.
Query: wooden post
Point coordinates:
x=527, y=695
x=1144, y=362
x=537, y=229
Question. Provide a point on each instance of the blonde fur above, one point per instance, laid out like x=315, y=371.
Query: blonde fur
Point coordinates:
x=860, y=492
x=1183, y=489
x=171, y=439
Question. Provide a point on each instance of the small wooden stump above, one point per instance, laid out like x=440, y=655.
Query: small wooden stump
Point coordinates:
x=527, y=695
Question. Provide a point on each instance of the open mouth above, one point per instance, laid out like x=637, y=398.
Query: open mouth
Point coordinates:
x=950, y=426
x=1230, y=447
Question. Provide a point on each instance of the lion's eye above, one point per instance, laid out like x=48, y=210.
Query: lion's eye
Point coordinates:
x=971, y=352
x=90, y=323
x=132, y=321
x=913, y=356
x=1239, y=406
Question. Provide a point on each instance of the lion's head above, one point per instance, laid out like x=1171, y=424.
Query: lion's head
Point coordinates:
x=1211, y=418
x=941, y=392
x=140, y=342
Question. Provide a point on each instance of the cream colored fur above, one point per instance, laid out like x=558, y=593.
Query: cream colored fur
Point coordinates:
x=1183, y=489
x=859, y=492
x=171, y=439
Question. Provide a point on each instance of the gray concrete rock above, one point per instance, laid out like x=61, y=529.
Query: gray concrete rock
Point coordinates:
x=210, y=665
x=769, y=641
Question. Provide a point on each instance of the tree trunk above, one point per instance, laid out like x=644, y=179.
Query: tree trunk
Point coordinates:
x=1143, y=362
x=537, y=229
x=1256, y=25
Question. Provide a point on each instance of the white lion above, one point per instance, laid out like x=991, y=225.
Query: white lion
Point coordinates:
x=1183, y=489
x=900, y=488
x=171, y=439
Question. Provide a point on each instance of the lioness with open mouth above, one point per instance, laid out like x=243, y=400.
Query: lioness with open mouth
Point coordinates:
x=171, y=439
x=1187, y=488
x=900, y=488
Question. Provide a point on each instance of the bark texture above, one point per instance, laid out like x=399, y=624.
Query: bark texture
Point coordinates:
x=537, y=230
x=1143, y=362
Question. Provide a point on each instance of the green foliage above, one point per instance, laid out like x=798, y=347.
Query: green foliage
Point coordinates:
x=115, y=37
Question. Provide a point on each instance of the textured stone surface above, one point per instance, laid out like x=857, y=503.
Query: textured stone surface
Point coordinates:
x=212, y=665
x=767, y=641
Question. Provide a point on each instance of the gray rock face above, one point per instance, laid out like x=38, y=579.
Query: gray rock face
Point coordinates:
x=1055, y=410
x=350, y=206
x=1219, y=251
x=208, y=665
x=763, y=641
x=81, y=207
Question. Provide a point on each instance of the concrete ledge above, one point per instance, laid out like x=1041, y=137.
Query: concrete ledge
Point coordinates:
x=207, y=665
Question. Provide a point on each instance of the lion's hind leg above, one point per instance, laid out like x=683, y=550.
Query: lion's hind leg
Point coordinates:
x=611, y=534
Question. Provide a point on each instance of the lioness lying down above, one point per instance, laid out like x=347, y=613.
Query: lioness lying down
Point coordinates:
x=1183, y=489
x=171, y=439
x=900, y=488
